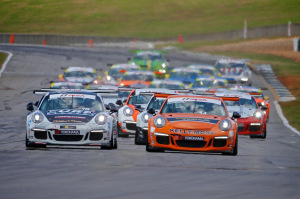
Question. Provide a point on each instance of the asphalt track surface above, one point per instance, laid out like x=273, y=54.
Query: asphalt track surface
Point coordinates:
x=263, y=168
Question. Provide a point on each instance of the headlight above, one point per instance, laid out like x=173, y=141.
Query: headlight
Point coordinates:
x=128, y=111
x=163, y=65
x=159, y=122
x=225, y=125
x=257, y=114
x=108, y=77
x=263, y=103
x=101, y=119
x=37, y=117
x=122, y=84
x=146, y=117
x=244, y=79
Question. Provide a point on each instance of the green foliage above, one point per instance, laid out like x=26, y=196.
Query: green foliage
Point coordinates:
x=2, y=58
x=145, y=19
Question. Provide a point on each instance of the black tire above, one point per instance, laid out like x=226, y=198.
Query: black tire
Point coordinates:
x=32, y=146
x=115, y=144
x=111, y=144
x=235, y=149
x=150, y=148
x=120, y=133
x=136, y=138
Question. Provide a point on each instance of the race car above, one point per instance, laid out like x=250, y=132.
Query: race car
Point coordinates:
x=137, y=79
x=67, y=85
x=168, y=84
x=143, y=117
x=151, y=61
x=257, y=93
x=206, y=70
x=186, y=75
x=209, y=82
x=193, y=123
x=116, y=72
x=253, y=120
x=235, y=71
x=70, y=118
x=85, y=75
x=136, y=102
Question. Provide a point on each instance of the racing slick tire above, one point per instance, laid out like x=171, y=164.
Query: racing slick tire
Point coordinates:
x=111, y=144
x=32, y=146
x=150, y=148
x=136, y=138
x=235, y=149
x=115, y=144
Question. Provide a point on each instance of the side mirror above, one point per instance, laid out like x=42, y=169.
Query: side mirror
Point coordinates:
x=60, y=76
x=267, y=98
x=259, y=104
x=138, y=108
x=113, y=109
x=30, y=106
x=151, y=111
x=236, y=115
x=107, y=107
x=119, y=102
x=264, y=107
x=36, y=103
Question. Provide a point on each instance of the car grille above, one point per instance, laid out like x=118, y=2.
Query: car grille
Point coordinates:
x=96, y=136
x=42, y=135
x=190, y=144
x=219, y=142
x=254, y=128
x=131, y=126
x=163, y=140
x=68, y=138
x=240, y=127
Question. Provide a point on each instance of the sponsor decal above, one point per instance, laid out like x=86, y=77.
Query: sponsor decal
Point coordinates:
x=176, y=119
x=67, y=127
x=194, y=138
x=70, y=112
x=56, y=96
x=194, y=132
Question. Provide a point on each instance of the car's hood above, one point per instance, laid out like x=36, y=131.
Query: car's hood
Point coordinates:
x=192, y=121
x=70, y=116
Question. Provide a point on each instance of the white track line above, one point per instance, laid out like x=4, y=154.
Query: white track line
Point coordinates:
x=6, y=61
x=284, y=120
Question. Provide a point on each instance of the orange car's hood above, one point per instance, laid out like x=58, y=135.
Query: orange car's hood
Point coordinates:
x=191, y=121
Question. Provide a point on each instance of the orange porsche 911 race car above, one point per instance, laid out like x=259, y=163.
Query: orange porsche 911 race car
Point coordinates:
x=193, y=123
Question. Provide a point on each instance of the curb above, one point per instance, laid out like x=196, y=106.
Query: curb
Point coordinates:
x=6, y=61
x=284, y=120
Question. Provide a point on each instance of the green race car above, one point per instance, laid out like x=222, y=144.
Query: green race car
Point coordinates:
x=152, y=61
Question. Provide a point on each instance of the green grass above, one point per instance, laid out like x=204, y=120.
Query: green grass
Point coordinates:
x=2, y=58
x=142, y=18
x=291, y=112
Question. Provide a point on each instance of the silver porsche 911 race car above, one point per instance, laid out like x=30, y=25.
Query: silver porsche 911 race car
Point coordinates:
x=70, y=118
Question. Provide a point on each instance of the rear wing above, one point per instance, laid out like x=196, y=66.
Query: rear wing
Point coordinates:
x=44, y=91
x=230, y=98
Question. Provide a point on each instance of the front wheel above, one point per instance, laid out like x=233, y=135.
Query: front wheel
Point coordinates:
x=235, y=149
x=150, y=148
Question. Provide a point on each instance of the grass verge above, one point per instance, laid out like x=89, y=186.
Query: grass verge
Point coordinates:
x=2, y=59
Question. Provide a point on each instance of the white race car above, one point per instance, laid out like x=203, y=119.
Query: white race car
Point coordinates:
x=70, y=118
x=136, y=102
x=154, y=105
x=235, y=71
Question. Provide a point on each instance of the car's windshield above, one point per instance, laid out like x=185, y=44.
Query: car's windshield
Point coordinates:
x=71, y=101
x=156, y=103
x=194, y=105
x=80, y=74
x=207, y=72
x=231, y=68
x=183, y=74
x=138, y=77
x=139, y=99
x=248, y=103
